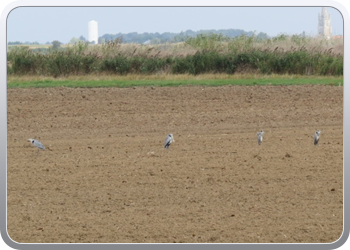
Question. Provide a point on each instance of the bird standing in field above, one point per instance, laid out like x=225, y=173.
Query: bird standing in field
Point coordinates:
x=317, y=137
x=169, y=139
x=260, y=136
x=37, y=144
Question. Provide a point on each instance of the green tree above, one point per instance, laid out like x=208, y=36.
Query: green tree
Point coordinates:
x=74, y=40
x=56, y=44
x=101, y=40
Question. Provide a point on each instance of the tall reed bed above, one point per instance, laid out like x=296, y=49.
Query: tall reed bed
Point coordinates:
x=197, y=55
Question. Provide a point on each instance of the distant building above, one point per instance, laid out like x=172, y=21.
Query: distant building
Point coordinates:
x=93, y=32
x=324, y=24
x=337, y=37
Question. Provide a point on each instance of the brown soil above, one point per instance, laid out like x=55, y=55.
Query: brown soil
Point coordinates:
x=105, y=176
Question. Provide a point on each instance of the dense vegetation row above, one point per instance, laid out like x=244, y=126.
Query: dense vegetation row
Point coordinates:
x=201, y=54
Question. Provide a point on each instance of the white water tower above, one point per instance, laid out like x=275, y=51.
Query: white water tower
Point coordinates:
x=93, y=31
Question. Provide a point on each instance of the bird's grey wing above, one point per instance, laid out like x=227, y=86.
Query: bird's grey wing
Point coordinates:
x=39, y=145
x=315, y=139
x=167, y=140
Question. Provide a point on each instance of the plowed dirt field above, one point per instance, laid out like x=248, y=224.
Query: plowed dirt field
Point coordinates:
x=106, y=177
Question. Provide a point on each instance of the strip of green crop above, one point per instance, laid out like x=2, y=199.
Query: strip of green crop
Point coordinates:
x=165, y=83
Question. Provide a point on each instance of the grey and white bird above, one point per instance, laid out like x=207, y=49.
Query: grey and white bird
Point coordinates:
x=317, y=137
x=260, y=136
x=169, y=139
x=37, y=144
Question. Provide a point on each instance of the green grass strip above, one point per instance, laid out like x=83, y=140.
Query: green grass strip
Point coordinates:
x=172, y=83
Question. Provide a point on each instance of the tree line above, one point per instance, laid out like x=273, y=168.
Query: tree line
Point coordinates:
x=156, y=38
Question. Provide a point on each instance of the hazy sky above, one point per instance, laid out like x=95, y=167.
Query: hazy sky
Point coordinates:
x=45, y=24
